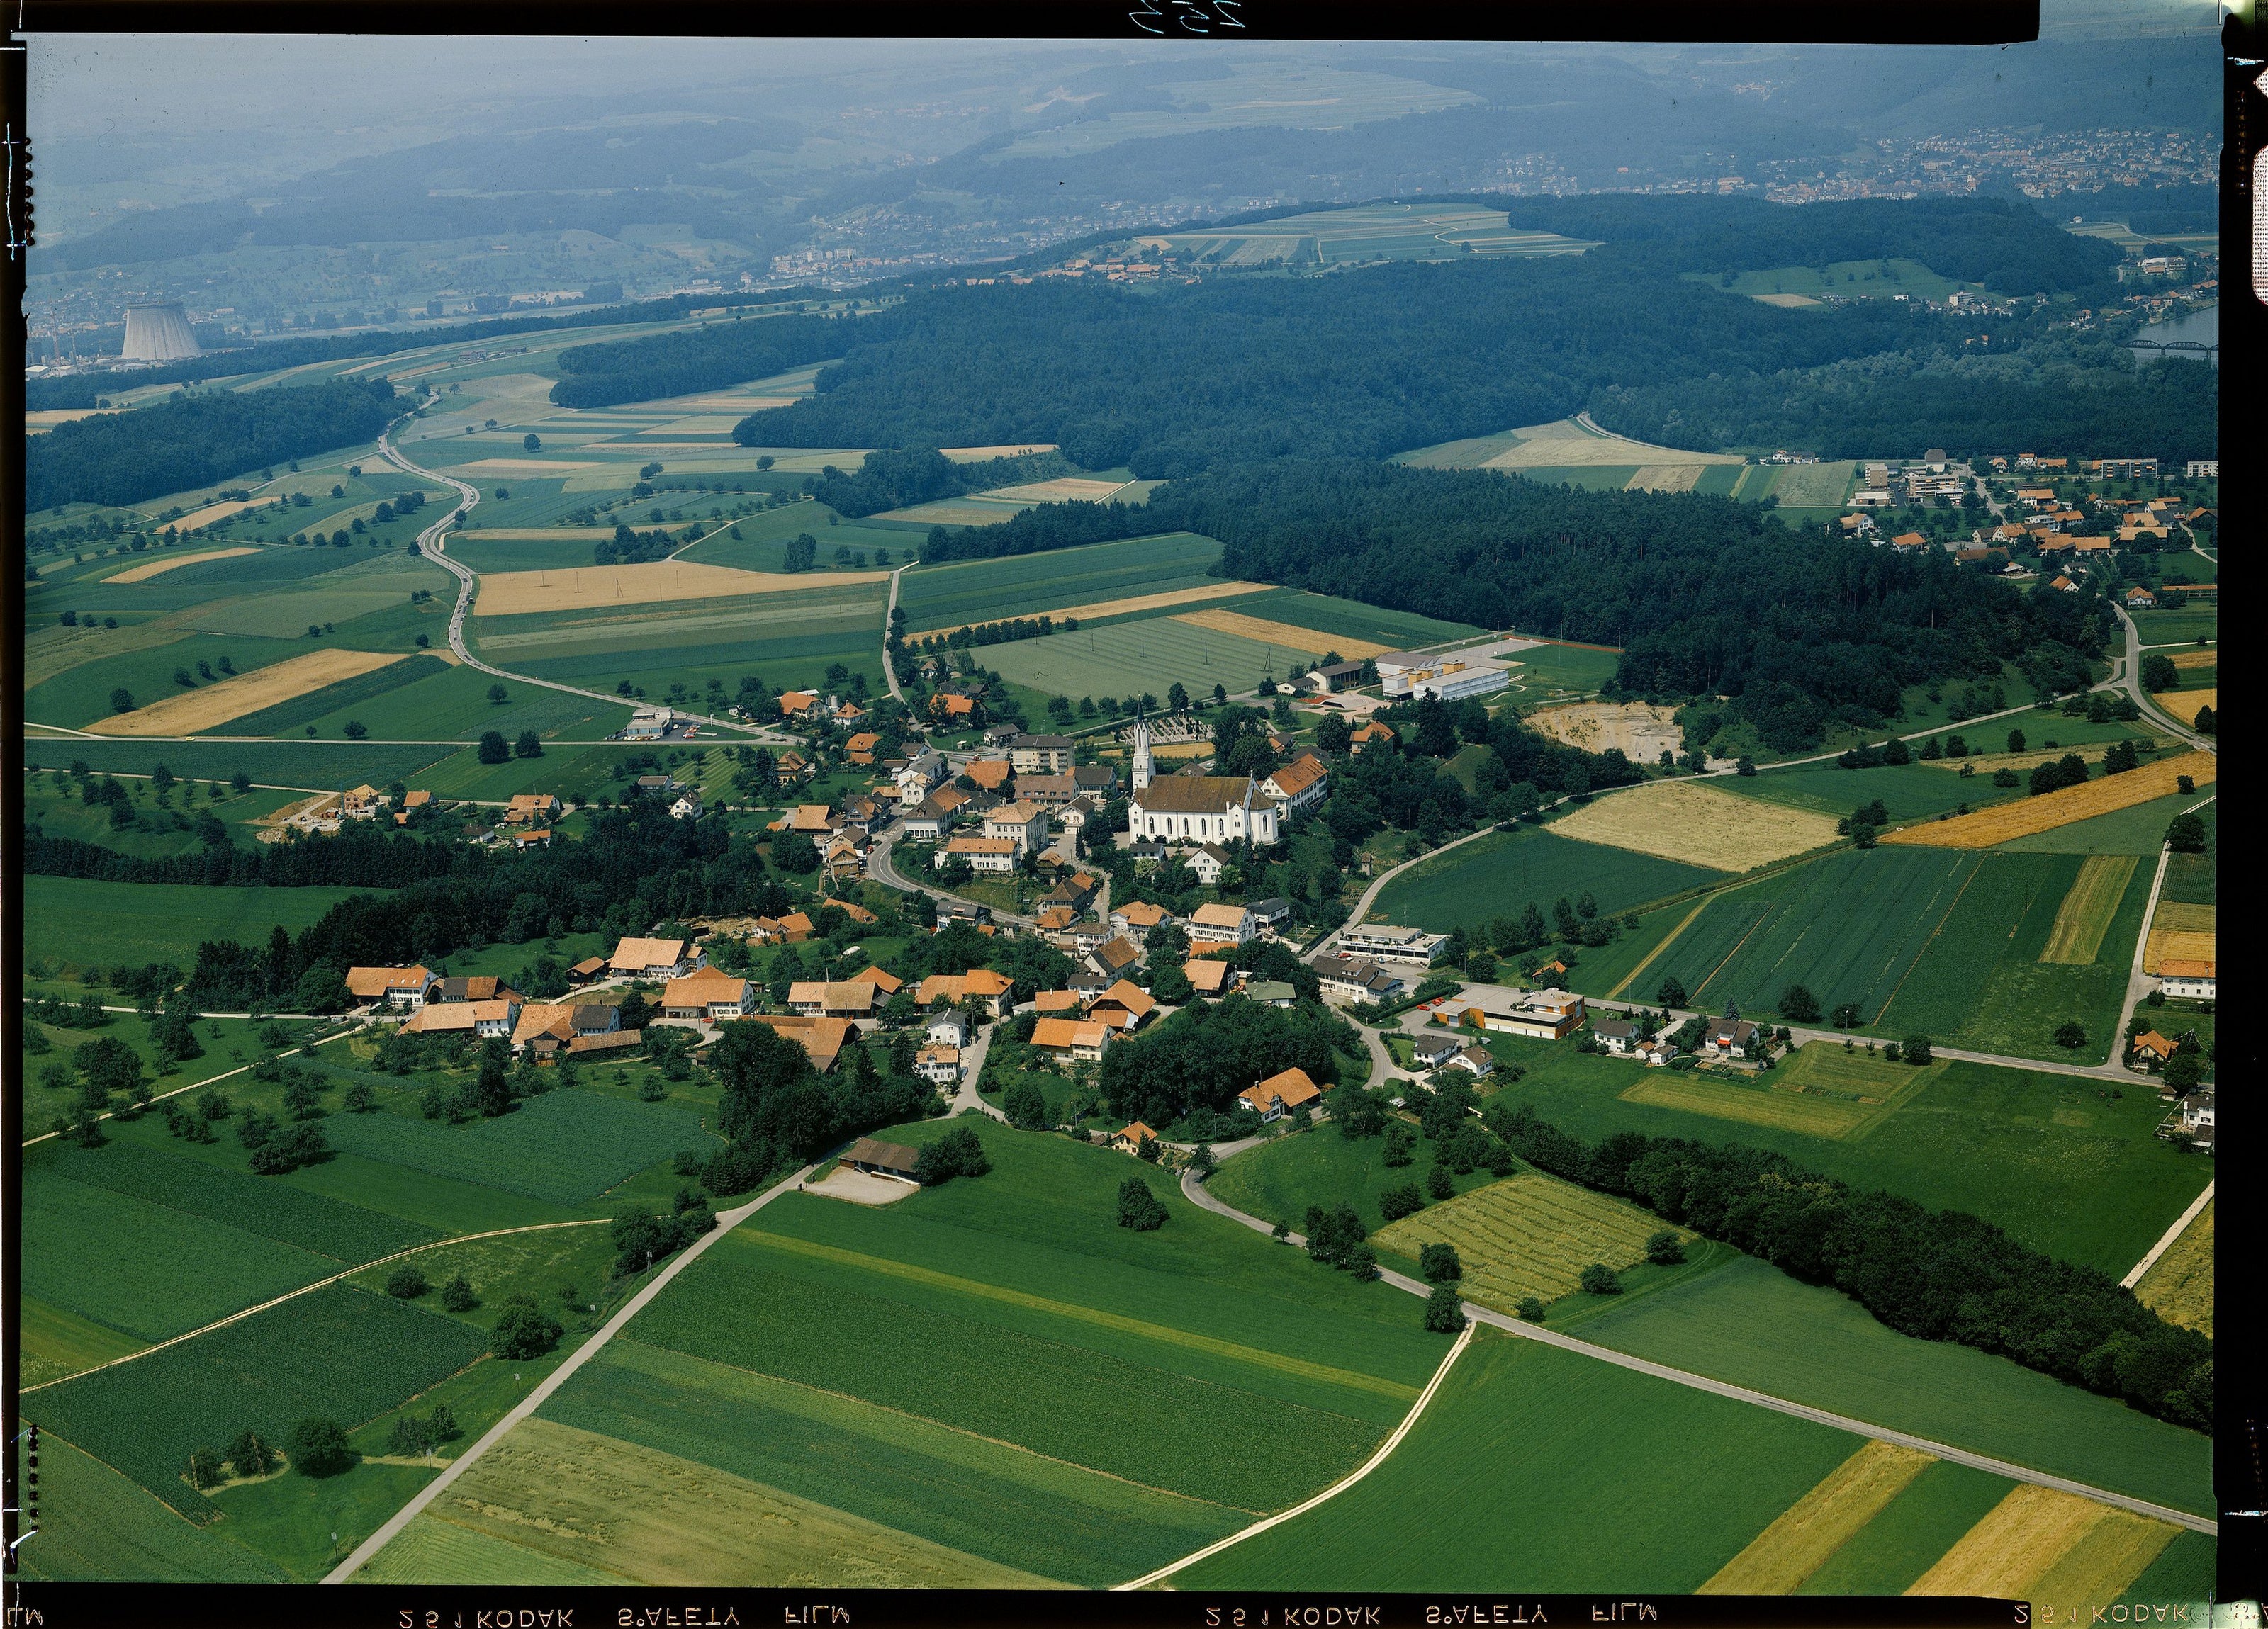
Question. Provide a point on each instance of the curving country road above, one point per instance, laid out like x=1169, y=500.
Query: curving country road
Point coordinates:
x=1196, y=1193
x=430, y=542
x=879, y=867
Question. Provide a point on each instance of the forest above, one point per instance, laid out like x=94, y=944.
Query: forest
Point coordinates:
x=192, y=440
x=1707, y=595
x=696, y=359
x=1941, y=1276
x=894, y=479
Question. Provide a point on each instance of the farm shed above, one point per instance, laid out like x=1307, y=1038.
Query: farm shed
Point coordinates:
x=881, y=1159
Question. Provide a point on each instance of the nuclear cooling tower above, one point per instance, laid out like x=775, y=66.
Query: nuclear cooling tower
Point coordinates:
x=159, y=332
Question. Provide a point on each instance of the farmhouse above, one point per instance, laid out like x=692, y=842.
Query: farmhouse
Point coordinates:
x=1047, y=791
x=2141, y=600
x=1138, y=916
x=531, y=809
x=709, y=996
x=1083, y=1039
x=655, y=958
x=1220, y=924
x=543, y=1029
x=822, y=1039
x=1209, y=975
x=1114, y=959
x=1130, y=1139
x=881, y=1159
x=978, y=984
x=832, y=1001
x=482, y=1019
x=1394, y=944
x=1281, y=1094
x=939, y=1064
x=2191, y=980
x=476, y=990
x=589, y=968
x=1122, y=1005
x=794, y=928
x=405, y=988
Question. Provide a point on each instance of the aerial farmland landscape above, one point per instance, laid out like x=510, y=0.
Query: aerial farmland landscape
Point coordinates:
x=1223, y=818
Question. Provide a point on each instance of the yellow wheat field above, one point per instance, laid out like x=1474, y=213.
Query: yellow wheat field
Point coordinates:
x=661, y=581
x=1062, y=489
x=2184, y=704
x=1268, y=632
x=1133, y=603
x=2092, y=1573
x=193, y=710
x=149, y=569
x=2180, y=916
x=1697, y=825
x=2197, y=658
x=2085, y=915
x=2178, y=1287
x=1800, y=1542
x=1664, y=478
x=2037, y=1536
x=2177, y=944
x=2026, y=816
x=211, y=512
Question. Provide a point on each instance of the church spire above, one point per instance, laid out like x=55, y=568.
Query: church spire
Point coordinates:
x=1141, y=751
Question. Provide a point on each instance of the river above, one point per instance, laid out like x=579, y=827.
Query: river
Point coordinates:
x=2202, y=327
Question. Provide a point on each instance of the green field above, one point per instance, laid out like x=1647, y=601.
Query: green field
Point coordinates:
x=564, y=1147
x=2193, y=879
x=80, y=695
x=1752, y=1325
x=1143, y=657
x=1384, y=231
x=81, y=923
x=434, y=701
x=1520, y=1475
x=1908, y=792
x=312, y=766
x=1498, y=874
x=155, y=834
x=1850, y=279
x=336, y=1352
x=2053, y=1159
x=1927, y=1518
x=1024, y=585
x=2139, y=830
x=1279, y=1180
x=2177, y=628
x=1823, y=486
x=96, y=1525
x=1549, y=672
x=765, y=535
x=1350, y=619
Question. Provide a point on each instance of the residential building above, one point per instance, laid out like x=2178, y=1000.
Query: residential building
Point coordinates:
x=1021, y=823
x=949, y=1029
x=1206, y=863
x=364, y=802
x=2139, y=598
x=837, y=1000
x=1114, y=959
x=990, y=774
x=1047, y=791
x=709, y=996
x=1270, y=915
x=1432, y=1051
x=539, y=837
x=1130, y=1139
x=1657, y=1054
x=2196, y=467
x=1370, y=735
x=1281, y=1094
x=1351, y=980
x=402, y=988
x=1095, y=780
x=2194, y=1118
x=920, y=774
x=978, y=984
x=815, y=821
x=928, y=821
x=2191, y=980
x=688, y=806
x=1305, y=781
x=655, y=958
x=1733, y=1038
x=1615, y=1035
x=1220, y=924
x=484, y=988
x=1209, y=975
x=477, y=1018
x=941, y=1064
x=1386, y=943
x=821, y=1039
x=995, y=854
x=1081, y=1039
x=594, y=1018
x=1474, y=1061
x=1196, y=808
x=1270, y=992
x=1040, y=754
x=1136, y=917
x=859, y=749
x=1122, y=1005
x=531, y=809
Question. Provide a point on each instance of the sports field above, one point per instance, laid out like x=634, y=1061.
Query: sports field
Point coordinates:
x=1527, y=1235
x=2032, y=816
x=1697, y=825
x=1500, y=874
x=1521, y=1427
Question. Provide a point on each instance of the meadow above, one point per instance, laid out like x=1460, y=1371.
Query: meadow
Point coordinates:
x=565, y=1146
x=1280, y=1179
x=97, y=1525
x=1908, y=792
x=1519, y=1427
x=1850, y=279
x=1139, y=657
x=80, y=923
x=337, y=1351
x=306, y=766
x=2178, y=1287
x=2057, y=1161
x=2183, y=627
x=2139, y=829
x=438, y=700
x=1752, y=1325
x=1549, y=672
x=1527, y=1235
x=1498, y=874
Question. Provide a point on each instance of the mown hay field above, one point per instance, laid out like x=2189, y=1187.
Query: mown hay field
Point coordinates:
x=558, y=1495
x=1697, y=825
x=1310, y=639
x=1528, y=1235
x=1808, y=1533
x=2085, y=915
x=565, y=1146
x=1132, y=604
x=1520, y=1468
x=338, y=1352
x=2178, y=1287
x=211, y=512
x=158, y=568
x=1062, y=489
x=1565, y=442
x=2041, y=1544
x=1737, y=1100
x=589, y=588
x=1666, y=477
x=2029, y=816
x=195, y=710
x=1145, y=655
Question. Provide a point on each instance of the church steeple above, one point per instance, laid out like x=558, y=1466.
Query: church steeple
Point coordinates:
x=1141, y=751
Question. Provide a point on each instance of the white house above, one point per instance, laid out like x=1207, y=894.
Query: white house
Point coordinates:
x=923, y=771
x=1615, y=1035
x=1384, y=943
x=688, y=806
x=949, y=1029
x=2189, y=980
x=1220, y=924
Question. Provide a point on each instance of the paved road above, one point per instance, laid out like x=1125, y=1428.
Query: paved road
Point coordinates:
x=432, y=542
x=726, y=1221
x=2128, y=677
x=1196, y=1193
x=2165, y=1241
x=966, y=1095
x=880, y=867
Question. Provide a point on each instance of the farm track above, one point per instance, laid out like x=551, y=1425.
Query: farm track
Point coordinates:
x=726, y=1223
x=1195, y=1191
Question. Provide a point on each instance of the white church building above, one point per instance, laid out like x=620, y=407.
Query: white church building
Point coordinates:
x=1197, y=809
